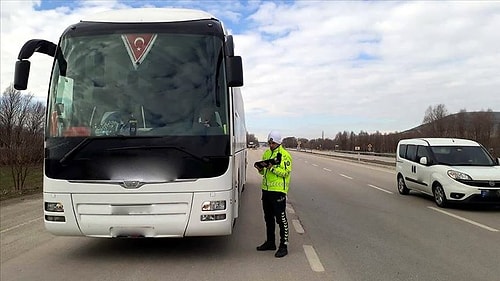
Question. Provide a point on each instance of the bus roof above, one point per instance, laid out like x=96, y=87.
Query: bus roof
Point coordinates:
x=148, y=15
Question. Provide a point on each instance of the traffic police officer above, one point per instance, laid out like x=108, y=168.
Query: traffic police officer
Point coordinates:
x=275, y=183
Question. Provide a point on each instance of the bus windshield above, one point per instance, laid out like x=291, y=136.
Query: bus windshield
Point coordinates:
x=125, y=93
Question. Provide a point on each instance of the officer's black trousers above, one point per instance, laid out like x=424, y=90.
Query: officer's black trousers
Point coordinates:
x=274, y=205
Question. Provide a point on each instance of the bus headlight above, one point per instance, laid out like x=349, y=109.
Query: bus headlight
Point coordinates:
x=213, y=205
x=54, y=207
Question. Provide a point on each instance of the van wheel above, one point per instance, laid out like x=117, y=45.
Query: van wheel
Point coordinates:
x=402, y=186
x=440, y=196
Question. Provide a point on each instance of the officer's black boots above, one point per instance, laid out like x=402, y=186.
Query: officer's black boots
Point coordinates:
x=270, y=246
x=282, y=251
x=267, y=246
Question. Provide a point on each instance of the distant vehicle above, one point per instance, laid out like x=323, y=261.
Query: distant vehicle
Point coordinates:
x=252, y=144
x=146, y=132
x=450, y=170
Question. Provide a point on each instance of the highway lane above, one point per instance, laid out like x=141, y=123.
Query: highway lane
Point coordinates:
x=384, y=179
x=347, y=223
x=30, y=253
x=361, y=225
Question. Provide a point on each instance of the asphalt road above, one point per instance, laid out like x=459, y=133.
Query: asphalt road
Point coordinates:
x=347, y=222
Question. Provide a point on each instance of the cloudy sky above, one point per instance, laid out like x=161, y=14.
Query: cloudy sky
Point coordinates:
x=316, y=68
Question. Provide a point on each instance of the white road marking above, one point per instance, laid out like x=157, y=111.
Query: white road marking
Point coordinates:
x=465, y=220
x=346, y=176
x=315, y=165
x=326, y=169
x=289, y=209
x=19, y=225
x=313, y=259
x=298, y=227
x=381, y=189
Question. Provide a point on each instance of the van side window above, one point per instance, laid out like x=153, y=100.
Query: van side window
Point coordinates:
x=402, y=150
x=422, y=152
x=411, y=152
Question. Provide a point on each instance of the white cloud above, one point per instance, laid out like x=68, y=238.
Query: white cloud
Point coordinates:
x=314, y=66
x=22, y=22
x=424, y=53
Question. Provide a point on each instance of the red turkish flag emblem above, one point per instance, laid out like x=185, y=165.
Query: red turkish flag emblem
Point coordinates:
x=138, y=46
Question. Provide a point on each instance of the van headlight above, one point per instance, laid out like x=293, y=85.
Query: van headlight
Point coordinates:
x=213, y=205
x=456, y=175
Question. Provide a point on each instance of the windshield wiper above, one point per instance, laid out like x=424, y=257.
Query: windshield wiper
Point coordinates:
x=80, y=146
x=75, y=149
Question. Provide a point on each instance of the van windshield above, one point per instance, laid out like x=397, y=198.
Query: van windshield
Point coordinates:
x=462, y=156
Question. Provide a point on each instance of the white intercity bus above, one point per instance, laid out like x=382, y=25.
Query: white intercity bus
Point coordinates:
x=145, y=128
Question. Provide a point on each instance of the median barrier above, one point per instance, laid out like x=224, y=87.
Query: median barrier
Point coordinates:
x=384, y=159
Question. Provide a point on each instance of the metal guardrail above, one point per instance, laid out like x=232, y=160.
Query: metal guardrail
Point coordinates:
x=386, y=159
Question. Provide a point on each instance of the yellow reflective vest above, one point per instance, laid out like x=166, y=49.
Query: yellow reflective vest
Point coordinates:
x=277, y=178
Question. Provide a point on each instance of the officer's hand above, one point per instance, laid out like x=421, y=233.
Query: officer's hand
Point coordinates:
x=258, y=168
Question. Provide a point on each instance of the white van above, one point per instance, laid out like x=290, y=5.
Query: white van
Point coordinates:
x=450, y=170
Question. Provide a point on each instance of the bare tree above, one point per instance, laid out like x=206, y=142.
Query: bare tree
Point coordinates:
x=21, y=137
x=434, y=119
x=458, y=126
x=302, y=143
x=482, y=127
x=435, y=113
x=342, y=141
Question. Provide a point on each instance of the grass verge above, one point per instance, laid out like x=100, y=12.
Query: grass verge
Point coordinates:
x=33, y=183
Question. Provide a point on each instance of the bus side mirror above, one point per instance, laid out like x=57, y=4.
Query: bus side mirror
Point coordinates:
x=234, y=67
x=21, y=74
x=229, y=46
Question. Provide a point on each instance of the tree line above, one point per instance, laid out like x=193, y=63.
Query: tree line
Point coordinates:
x=21, y=134
x=482, y=126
